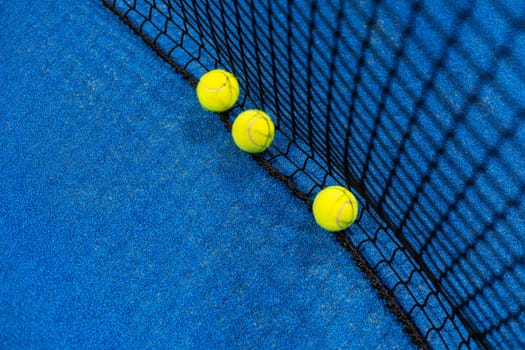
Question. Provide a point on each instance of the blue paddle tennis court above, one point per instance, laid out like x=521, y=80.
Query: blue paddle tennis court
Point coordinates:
x=129, y=219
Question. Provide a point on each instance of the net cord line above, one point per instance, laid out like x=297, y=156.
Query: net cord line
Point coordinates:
x=340, y=236
x=439, y=327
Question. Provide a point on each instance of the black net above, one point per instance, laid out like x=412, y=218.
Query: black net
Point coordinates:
x=417, y=106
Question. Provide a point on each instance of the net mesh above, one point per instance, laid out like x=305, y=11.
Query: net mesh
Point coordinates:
x=417, y=106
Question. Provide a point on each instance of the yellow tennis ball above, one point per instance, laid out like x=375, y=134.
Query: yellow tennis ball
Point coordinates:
x=217, y=90
x=335, y=208
x=253, y=131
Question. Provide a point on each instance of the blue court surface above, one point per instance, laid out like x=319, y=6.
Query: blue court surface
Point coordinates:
x=128, y=218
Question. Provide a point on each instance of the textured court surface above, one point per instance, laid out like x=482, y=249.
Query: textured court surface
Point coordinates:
x=128, y=219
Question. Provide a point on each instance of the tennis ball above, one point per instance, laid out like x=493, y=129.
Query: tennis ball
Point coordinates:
x=253, y=131
x=335, y=208
x=217, y=90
